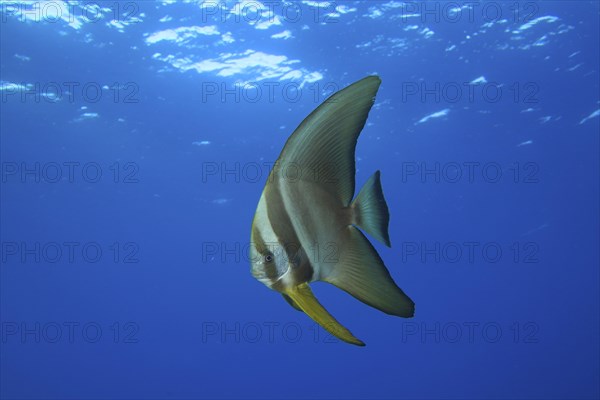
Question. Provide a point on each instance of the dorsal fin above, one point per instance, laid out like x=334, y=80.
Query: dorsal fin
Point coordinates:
x=322, y=148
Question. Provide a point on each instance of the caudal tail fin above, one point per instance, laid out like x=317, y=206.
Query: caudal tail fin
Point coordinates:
x=370, y=211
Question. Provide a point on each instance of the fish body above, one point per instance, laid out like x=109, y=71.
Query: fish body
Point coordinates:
x=306, y=226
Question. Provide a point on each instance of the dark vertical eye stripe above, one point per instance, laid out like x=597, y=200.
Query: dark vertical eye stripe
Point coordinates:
x=257, y=240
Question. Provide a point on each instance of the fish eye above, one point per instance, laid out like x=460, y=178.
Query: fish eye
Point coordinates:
x=268, y=258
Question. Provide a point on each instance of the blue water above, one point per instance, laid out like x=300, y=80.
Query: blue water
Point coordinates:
x=136, y=139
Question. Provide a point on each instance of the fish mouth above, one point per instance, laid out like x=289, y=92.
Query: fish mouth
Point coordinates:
x=261, y=276
x=258, y=272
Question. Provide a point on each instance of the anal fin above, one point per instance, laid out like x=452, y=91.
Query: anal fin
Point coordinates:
x=361, y=272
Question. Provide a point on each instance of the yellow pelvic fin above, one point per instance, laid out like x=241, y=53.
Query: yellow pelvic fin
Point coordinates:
x=306, y=300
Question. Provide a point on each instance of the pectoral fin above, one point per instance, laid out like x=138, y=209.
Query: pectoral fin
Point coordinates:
x=305, y=299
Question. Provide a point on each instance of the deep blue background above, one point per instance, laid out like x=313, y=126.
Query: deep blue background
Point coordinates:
x=193, y=318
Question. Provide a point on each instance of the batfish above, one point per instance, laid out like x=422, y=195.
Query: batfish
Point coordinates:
x=308, y=224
